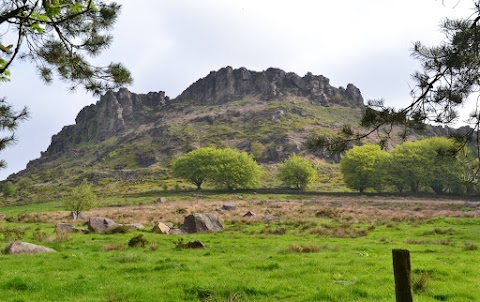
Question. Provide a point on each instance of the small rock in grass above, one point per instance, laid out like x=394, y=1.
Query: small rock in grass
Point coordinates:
x=197, y=244
x=249, y=214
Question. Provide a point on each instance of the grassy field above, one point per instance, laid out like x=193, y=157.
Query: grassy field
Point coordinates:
x=334, y=248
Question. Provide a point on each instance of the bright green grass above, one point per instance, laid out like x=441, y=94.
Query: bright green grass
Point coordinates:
x=245, y=263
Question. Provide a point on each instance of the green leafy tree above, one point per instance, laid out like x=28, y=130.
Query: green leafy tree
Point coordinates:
x=195, y=166
x=81, y=198
x=234, y=170
x=411, y=165
x=8, y=189
x=58, y=37
x=360, y=167
x=430, y=163
x=446, y=170
x=297, y=171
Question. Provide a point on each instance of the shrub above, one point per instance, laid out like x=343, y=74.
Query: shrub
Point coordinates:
x=137, y=241
x=8, y=189
x=80, y=199
x=297, y=171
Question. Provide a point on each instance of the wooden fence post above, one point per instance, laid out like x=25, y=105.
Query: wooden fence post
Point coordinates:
x=401, y=270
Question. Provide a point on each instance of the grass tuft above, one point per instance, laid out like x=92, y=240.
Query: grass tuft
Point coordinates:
x=303, y=249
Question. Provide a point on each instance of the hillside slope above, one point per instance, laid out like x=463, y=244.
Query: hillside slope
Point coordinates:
x=270, y=114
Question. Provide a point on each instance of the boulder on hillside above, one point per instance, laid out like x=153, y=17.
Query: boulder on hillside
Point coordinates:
x=65, y=227
x=2, y=216
x=101, y=224
x=201, y=223
x=270, y=218
x=227, y=207
x=249, y=214
x=176, y=232
x=197, y=244
x=161, y=228
x=134, y=226
x=16, y=248
x=160, y=200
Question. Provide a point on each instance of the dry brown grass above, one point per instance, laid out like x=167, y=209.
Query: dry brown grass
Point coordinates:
x=119, y=246
x=361, y=209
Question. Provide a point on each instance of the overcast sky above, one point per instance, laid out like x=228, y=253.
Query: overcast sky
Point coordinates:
x=170, y=44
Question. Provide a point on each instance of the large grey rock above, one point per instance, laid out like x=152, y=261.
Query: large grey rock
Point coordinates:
x=100, y=224
x=16, y=248
x=201, y=223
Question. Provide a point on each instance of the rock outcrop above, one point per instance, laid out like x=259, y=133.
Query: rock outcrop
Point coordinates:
x=229, y=84
x=113, y=114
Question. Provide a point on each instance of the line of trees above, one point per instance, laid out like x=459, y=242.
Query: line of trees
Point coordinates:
x=231, y=169
x=433, y=164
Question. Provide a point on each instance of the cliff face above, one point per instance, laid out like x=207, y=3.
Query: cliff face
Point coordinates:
x=114, y=113
x=229, y=84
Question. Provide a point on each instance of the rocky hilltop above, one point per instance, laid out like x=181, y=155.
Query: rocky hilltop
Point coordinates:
x=273, y=110
x=113, y=114
x=229, y=84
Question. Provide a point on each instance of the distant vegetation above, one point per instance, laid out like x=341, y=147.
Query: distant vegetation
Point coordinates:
x=431, y=164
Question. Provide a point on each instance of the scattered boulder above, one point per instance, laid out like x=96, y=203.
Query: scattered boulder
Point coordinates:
x=201, y=223
x=161, y=200
x=134, y=226
x=197, y=244
x=16, y=248
x=101, y=224
x=227, y=207
x=68, y=228
x=177, y=232
x=161, y=228
x=2, y=216
x=64, y=227
x=249, y=214
x=270, y=218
